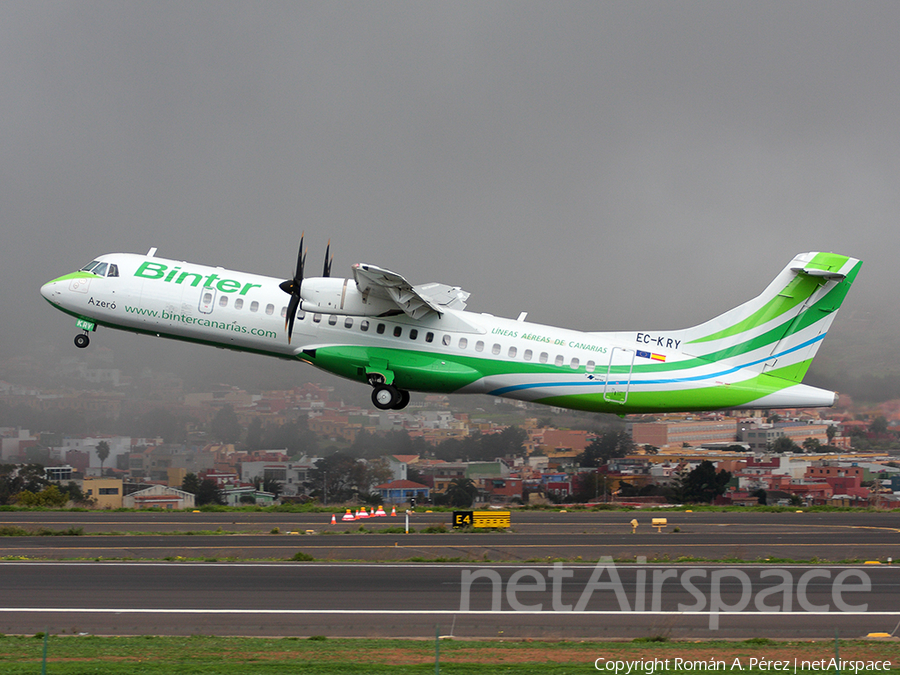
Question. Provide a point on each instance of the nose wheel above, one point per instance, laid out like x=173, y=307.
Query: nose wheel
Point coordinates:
x=388, y=397
x=82, y=340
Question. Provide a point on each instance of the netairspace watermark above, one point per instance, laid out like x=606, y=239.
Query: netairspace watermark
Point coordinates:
x=795, y=665
x=714, y=591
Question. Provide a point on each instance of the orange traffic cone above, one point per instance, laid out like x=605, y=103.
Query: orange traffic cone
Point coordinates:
x=333, y=520
x=348, y=516
x=394, y=510
x=380, y=513
x=363, y=513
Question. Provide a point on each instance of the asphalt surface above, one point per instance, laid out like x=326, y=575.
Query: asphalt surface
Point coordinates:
x=524, y=596
x=466, y=601
x=535, y=536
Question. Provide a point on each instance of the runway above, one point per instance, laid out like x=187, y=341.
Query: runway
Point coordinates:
x=466, y=601
x=535, y=536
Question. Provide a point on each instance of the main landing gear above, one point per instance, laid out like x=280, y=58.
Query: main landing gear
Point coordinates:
x=388, y=397
x=82, y=340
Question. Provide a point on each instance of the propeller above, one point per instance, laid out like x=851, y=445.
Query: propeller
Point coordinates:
x=292, y=288
x=328, y=260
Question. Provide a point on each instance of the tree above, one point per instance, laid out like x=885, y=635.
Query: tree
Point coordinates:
x=225, y=426
x=830, y=433
x=461, y=492
x=879, y=426
x=209, y=492
x=704, y=483
x=603, y=448
x=102, y=453
x=191, y=483
x=332, y=478
x=784, y=444
x=254, y=434
x=761, y=496
x=811, y=444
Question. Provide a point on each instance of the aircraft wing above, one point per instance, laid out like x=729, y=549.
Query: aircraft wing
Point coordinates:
x=415, y=301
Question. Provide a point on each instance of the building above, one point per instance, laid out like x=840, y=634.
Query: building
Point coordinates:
x=400, y=491
x=159, y=497
x=106, y=492
x=760, y=438
x=681, y=432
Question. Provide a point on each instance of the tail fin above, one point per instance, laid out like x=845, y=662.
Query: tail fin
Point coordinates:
x=779, y=331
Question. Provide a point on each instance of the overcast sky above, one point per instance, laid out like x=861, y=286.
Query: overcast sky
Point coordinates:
x=601, y=165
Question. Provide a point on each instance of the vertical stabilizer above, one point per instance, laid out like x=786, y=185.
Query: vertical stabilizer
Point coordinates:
x=779, y=331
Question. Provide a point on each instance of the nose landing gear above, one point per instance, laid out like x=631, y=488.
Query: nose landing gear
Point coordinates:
x=82, y=340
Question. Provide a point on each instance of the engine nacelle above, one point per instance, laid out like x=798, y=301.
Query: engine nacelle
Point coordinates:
x=329, y=295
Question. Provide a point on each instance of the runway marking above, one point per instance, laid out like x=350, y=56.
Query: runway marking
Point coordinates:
x=421, y=612
x=444, y=547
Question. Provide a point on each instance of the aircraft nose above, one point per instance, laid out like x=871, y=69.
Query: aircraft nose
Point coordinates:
x=50, y=289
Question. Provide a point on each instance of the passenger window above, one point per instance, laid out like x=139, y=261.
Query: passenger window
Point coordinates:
x=301, y=315
x=239, y=303
x=348, y=322
x=479, y=346
x=364, y=325
x=223, y=301
x=445, y=340
x=512, y=352
x=207, y=298
x=544, y=357
x=413, y=334
x=495, y=349
x=380, y=329
x=398, y=331
x=589, y=366
x=283, y=310
x=574, y=364
x=463, y=343
x=527, y=355
x=317, y=318
x=100, y=270
x=270, y=309
x=332, y=319
x=429, y=336
x=559, y=360
x=254, y=306
x=113, y=270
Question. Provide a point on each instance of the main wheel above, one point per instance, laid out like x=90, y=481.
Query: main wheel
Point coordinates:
x=402, y=401
x=385, y=397
x=82, y=340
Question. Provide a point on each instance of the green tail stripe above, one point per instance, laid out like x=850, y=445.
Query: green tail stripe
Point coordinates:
x=799, y=288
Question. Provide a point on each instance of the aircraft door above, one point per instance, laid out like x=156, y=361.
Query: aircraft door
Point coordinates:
x=618, y=381
x=207, y=300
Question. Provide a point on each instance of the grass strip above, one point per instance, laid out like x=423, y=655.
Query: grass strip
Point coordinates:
x=153, y=655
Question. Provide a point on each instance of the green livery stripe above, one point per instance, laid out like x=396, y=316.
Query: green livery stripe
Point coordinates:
x=831, y=262
x=796, y=291
x=702, y=398
x=76, y=275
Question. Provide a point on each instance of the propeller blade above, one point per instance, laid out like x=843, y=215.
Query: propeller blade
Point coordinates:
x=327, y=270
x=291, y=315
x=301, y=260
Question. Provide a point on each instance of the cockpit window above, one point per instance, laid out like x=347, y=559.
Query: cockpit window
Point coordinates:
x=100, y=270
x=91, y=265
x=113, y=270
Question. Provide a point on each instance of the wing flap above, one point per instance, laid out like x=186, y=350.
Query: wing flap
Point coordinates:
x=414, y=301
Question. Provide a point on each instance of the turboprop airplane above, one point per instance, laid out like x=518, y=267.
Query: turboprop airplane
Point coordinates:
x=379, y=329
